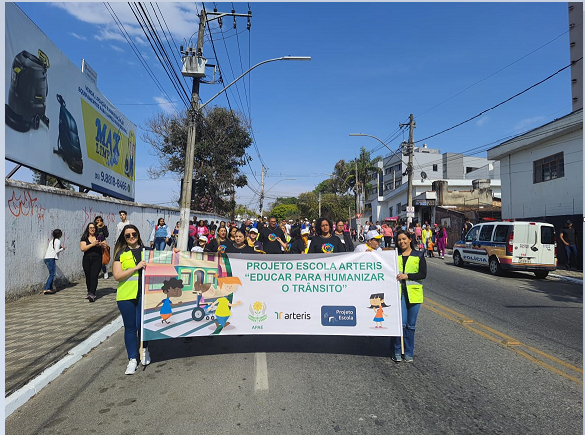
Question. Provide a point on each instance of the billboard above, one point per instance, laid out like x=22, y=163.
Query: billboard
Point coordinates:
x=57, y=121
x=188, y=294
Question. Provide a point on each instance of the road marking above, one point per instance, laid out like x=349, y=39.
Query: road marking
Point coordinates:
x=541, y=358
x=261, y=367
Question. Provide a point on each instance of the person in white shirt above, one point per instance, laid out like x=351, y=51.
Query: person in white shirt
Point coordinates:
x=51, y=255
x=123, y=222
x=373, y=239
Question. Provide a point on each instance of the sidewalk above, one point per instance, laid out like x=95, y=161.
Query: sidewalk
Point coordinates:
x=41, y=330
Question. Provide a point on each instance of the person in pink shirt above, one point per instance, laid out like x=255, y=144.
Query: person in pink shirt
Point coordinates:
x=418, y=233
x=388, y=234
x=202, y=229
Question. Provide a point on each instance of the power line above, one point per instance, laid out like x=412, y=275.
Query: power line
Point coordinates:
x=136, y=51
x=503, y=102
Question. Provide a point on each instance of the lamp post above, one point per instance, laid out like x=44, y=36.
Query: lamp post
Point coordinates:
x=194, y=110
x=408, y=167
x=262, y=193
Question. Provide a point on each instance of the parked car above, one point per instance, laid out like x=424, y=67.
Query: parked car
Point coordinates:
x=503, y=246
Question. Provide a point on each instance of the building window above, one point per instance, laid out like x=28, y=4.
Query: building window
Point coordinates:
x=435, y=168
x=398, y=208
x=549, y=168
x=397, y=184
x=374, y=190
x=391, y=211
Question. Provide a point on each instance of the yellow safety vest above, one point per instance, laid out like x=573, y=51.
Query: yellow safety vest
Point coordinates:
x=414, y=288
x=128, y=289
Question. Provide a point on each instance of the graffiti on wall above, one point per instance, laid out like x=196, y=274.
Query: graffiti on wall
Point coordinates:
x=25, y=205
x=90, y=215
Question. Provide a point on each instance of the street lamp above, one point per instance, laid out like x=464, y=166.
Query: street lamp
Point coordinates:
x=185, y=210
x=408, y=165
x=262, y=192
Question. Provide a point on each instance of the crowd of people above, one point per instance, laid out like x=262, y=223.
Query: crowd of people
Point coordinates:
x=262, y=236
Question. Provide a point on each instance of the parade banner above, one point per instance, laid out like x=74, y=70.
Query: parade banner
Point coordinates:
x=57, y=121
x=190, y=294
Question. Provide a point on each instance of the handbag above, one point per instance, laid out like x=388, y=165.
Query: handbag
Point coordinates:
x=105, y=255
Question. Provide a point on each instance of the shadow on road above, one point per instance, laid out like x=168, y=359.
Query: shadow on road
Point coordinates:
x=178, y=348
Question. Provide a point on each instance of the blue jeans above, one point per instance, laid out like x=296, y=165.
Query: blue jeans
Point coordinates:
x=409, y=315
x=159, y=243
x=50, y=262
x=131, y=312
x=569, y=249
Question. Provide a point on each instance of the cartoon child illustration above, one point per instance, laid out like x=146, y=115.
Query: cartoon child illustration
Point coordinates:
x=377, y=303
x=172, y=288
x=226, y=286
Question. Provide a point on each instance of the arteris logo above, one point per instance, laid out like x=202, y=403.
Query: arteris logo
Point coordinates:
x=258, y=312
x=280, y=315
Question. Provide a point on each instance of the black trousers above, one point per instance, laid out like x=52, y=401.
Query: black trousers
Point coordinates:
x=92, y=264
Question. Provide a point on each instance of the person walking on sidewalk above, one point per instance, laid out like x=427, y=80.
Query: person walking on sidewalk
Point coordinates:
x=51, y=256
x=127, y=269
x=123, y=222
x=441, y=237
x=412, y=269
x=92, y=259
x=102, y=234
x=160, y=235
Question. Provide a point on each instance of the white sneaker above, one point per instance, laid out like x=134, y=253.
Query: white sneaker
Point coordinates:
x=131, y=367
x=145, y=357
x=106, y=275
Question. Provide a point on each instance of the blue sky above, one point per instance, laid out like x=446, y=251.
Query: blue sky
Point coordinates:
x=372, y=65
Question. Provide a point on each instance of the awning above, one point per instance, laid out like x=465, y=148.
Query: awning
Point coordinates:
x=154, y=269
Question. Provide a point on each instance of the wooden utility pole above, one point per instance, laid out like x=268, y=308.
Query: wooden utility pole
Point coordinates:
x=409, y=169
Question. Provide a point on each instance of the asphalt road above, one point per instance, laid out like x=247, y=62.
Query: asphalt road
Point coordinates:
x=463, y=380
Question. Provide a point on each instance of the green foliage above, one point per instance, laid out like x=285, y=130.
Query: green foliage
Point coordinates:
x=285, y=211
x=332, y=206
x=244, y=212
x=220, y=151
x=52, y=181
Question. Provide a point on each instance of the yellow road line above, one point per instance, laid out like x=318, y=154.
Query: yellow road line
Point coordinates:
x=504, y=340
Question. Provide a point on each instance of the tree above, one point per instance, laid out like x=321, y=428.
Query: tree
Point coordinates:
x=51, y=181
x=220, y=151
x=285, y=211
x=360, y=171
x=242, y=212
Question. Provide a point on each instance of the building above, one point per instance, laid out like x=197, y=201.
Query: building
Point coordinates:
x=542, y=169
x=466, y=176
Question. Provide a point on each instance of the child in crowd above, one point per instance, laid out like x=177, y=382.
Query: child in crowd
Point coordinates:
x=430, y=248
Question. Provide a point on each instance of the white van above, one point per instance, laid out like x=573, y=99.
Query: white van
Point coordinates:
x=527, y=246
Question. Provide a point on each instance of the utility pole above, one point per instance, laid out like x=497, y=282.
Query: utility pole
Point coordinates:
x=357, y=198
x=194, y=66
x=319, y=204
x=409, y=169
x=262, y=192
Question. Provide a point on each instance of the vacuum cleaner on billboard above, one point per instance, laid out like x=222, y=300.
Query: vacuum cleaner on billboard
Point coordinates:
x=28, y=92
x=68, y=146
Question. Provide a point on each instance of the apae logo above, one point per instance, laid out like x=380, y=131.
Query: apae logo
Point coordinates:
x=257, y=314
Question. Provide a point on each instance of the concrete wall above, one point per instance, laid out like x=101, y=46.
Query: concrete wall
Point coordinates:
x=33, y=212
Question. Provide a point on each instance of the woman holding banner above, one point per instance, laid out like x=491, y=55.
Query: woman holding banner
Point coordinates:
x=412, y=269
x=127, y=269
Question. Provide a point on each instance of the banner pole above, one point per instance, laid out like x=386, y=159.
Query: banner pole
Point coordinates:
x=141, y=348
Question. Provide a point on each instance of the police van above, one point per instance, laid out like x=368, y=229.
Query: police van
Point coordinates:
x=503, y=246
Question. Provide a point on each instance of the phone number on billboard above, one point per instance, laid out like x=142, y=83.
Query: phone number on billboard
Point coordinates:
x=109, y=179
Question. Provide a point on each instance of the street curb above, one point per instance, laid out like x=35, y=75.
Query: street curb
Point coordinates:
x=567, y=278
x=21, y=396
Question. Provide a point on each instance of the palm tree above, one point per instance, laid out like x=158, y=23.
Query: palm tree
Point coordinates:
x=359, y=173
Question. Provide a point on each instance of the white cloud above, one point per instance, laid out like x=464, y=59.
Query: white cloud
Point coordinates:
x=165, y=105
x=481, y=121
x=527, y=122
x=75, y=35
x=116, y=48
x=181, y=18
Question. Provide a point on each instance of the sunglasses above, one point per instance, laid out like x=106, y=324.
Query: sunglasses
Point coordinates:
x=130, y=235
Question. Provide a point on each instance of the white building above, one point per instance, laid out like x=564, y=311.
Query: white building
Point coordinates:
x=390, y=195
x=542, y=171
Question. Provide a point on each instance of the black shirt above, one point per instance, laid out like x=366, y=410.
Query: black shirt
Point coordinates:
x=214, y=244
x=569, y=235
x=296, y=246
x=320, y=245
x=93, y=250
x=268, y=238
x=246, y=249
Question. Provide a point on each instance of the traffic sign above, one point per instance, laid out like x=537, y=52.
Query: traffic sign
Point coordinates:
x=410, y=209
x=358, y=215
